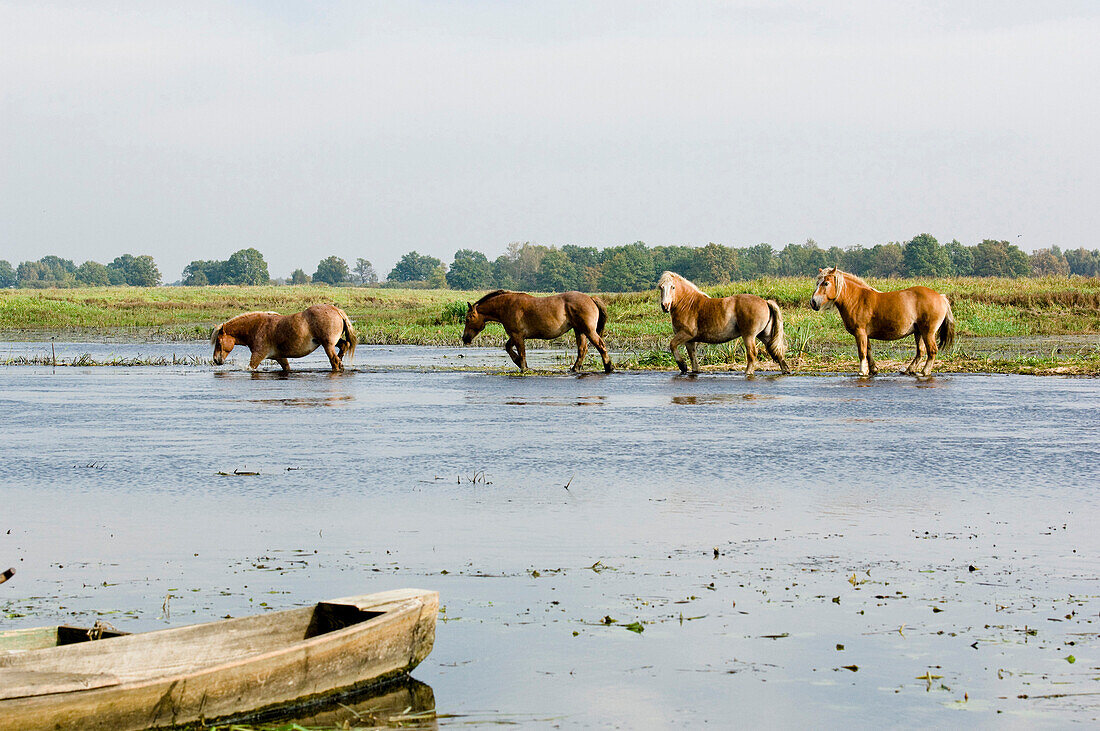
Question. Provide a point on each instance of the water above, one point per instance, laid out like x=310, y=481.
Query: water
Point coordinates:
x=845, y=513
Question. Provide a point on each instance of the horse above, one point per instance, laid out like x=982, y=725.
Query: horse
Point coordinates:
x=278, y=337
x=699, y=318
x=868, y=313
x=545, y=318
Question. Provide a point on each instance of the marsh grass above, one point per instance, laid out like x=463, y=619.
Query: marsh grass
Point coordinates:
x=85, y=360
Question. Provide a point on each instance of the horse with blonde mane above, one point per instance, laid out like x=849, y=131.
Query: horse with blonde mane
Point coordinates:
x=545, y=318
x=278, y=337
x=699, y=318
x=868, y=313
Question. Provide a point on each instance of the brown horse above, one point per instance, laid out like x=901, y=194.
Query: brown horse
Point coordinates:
x=543, y=318
x=699, y=318
x=868, y=313
x=271, y=335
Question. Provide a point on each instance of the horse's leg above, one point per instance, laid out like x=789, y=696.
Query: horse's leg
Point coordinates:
x=521, y=348
x=333, y=358
x=690, y=345
x=678, y=339
x=594, y=337
x=863, y=351
x=283, y=362
x=911, y=369
x=601, y=346
x=509, y=348
x=750, y=354
x=931, y=349
x=258, y=356
x=582, y=351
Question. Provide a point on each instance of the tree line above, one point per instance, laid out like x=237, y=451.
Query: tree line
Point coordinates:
x=53, y=271
x=636, y=266
x=626, y=268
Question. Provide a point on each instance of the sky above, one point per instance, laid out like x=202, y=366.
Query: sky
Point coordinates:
x=190, y=130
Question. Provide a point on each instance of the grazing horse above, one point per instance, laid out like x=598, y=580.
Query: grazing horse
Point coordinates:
x=699, y=318
x=868, y=313
x=278, y=337
x=544, y=318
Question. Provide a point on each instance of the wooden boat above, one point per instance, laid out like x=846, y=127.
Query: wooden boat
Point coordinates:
x=220, y=672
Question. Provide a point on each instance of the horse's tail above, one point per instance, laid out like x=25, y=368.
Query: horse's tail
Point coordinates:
x=349, y=336
x=945, y=336
x=776, y=339
x=602, y=320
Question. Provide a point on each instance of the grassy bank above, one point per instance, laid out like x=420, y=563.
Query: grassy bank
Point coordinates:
x=992, y=315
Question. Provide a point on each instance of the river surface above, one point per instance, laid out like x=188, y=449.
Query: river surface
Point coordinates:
x=810, y=551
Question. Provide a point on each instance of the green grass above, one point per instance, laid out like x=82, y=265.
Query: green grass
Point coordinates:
x=984, y=308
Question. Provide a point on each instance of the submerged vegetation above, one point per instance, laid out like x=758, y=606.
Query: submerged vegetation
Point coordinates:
x=1056, y=315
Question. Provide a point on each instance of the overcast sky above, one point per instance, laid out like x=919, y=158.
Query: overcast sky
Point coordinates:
x=190, y=130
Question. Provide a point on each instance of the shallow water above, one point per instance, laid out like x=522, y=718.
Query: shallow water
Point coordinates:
x=844, y=512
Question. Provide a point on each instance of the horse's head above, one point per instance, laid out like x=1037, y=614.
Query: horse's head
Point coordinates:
x=830, y=282
x=667, y=285
x=475, y=323
x=222, y=344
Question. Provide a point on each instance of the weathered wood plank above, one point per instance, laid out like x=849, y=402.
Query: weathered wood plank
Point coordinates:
x=23, y=683
x=228, y=669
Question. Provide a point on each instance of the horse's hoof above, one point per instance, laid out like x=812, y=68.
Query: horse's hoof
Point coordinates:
x=608, y=369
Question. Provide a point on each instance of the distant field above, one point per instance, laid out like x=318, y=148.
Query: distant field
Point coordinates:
x=984, y=309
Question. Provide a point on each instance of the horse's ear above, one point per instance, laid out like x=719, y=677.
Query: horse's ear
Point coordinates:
x=469, y=305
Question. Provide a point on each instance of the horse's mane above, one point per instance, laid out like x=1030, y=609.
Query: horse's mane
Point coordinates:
x=492, y=294
x=668, y=277
x=856, y=279
x=217, y=330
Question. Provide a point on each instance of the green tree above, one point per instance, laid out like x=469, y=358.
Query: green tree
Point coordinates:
x=801, y=260
x=503, y=273
x=715, y=264
x=7, y=274
x=332, y=270
x=886, y=260
x=92, y=274
x=1048, y=262
x=556, y=272
x=413, y=267
x=438, y=278
x=962, y=258
x=31, y=274
x=757, y=261
x=520, y=265
x=582, y=257
x=136, y=271
x=470, y=270
x=856, y=259
x=246, y=266
x=924, y=257
x=999, y=259
x=201, y=273
x=364, y=272
x=628, y=269
x=1083, y=262
x=300, y=277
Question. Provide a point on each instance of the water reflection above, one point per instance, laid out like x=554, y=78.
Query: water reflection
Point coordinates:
x=304, y=401
x=719, y=398
x=406, y=703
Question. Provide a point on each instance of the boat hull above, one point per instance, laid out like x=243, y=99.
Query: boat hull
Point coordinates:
x=350, y=659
